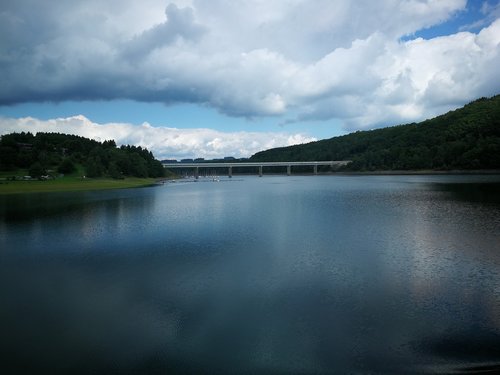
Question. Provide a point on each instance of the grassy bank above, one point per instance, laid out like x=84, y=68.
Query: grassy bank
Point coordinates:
x=71, y=184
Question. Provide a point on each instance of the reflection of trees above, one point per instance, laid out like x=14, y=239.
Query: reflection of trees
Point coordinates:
x=487, y=193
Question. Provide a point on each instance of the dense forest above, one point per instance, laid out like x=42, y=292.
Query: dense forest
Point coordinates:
x=55, y=153
x=467, y=138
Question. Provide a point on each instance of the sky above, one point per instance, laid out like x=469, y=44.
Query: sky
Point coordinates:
x=216, y=78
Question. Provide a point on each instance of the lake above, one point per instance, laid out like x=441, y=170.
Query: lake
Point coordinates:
x=271, y=275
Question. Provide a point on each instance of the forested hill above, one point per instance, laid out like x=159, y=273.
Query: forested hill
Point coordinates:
x=46, y=153
x=467, y=138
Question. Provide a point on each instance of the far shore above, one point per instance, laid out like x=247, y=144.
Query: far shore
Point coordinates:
x=377, y=173
x=422, y=172
x=69, y=184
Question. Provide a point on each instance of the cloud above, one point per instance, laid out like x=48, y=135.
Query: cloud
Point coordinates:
x=165, y=143
x=179, y=26
x=381, y=82
x=251, y=58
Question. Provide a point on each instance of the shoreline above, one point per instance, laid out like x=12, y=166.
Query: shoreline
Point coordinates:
x=424, y=172
x=372, y=173
x=72, y=184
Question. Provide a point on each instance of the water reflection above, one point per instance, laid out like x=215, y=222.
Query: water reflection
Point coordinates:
x=477, y=192
x=277, y=275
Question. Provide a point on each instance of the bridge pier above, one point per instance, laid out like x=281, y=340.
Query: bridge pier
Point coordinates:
x=230, y=172
x=196, y=172
x=260, y=170
x=315, y=168
x=288, y=170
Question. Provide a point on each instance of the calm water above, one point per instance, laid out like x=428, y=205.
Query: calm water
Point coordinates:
x=272, y=275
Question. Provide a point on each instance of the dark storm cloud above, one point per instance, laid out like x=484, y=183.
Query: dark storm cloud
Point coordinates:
x=248, y=59
x=180, y=25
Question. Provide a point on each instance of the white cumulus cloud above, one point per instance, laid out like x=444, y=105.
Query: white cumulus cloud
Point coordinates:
x=165, y=143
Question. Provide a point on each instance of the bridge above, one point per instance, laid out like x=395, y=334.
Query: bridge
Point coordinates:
x=259, y=165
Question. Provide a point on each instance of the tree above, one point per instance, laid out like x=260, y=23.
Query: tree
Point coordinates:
x=63, y=152
x=94, y=167
x=66, y=166
x=36, y=170
x=113, y=171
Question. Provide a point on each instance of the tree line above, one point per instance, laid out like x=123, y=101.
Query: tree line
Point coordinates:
x=63, y=153
x=466, y=138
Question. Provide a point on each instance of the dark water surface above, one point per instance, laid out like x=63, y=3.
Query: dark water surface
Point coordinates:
x=272, y=275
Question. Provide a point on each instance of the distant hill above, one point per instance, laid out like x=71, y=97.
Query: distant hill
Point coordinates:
x=466, y=138
x=55, y=153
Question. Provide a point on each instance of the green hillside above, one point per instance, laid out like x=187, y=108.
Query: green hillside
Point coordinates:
x=467, y=138
x=54, y=154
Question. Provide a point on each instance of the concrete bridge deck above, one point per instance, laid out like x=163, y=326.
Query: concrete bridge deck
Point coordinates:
x=259, y=165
